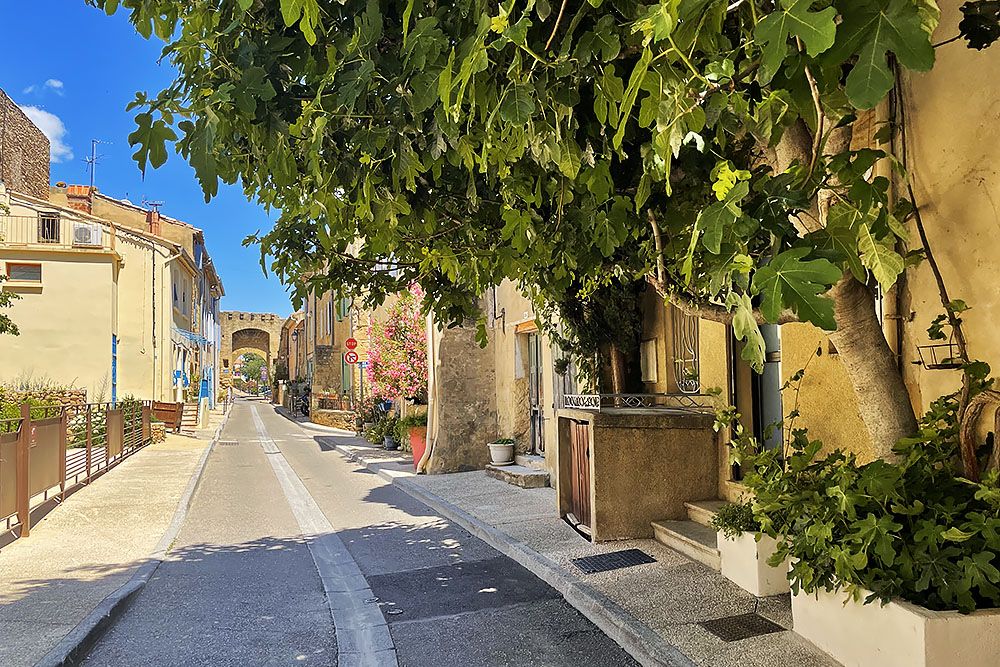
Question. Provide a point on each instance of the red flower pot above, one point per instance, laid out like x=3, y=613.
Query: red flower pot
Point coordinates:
x=418, y=443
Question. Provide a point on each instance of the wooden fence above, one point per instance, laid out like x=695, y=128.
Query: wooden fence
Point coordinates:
x=50, y=451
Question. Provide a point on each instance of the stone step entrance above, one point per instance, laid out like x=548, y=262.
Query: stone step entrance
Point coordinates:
x=693, y=537
x=519, y=475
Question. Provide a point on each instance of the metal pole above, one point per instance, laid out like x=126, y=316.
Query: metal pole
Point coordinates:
x=90, y=432
x=23, y=468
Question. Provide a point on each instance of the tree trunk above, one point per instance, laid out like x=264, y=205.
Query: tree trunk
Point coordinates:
x=882, y=398
x=617, y=370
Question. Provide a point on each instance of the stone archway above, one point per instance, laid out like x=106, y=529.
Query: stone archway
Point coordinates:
x=249, y=332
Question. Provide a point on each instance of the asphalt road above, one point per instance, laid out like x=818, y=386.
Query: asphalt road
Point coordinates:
x=284, y=532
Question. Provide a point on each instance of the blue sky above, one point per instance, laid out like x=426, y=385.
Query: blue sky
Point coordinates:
x=78, y=74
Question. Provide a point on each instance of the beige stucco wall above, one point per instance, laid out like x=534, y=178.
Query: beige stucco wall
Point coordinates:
x=66, y=323
x=826, y=400
x=952, y=113
x=511, y=363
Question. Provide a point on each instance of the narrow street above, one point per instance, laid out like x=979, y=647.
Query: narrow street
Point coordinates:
x=283, y=529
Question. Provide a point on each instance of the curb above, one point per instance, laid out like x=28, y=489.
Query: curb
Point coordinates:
x=89, y=630
x=635, y=638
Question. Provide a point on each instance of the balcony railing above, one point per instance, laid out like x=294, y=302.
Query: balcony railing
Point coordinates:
x=694, y=403
x=52, y=231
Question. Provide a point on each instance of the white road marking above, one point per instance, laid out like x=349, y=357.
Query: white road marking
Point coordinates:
x=363, y=638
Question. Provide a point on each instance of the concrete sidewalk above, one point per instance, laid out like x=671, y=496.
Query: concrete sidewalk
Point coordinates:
x=54, y=583
x=653, y=611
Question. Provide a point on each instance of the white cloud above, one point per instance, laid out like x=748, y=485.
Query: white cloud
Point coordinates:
x=51, y=85
x=53, y=128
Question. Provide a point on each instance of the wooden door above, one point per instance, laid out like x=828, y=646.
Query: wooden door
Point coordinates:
x=535, y=394
x=579, y=478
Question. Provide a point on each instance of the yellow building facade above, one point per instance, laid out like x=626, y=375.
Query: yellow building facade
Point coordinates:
x=96, y=306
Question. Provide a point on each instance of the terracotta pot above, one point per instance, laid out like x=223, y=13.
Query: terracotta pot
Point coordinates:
x=418, y=443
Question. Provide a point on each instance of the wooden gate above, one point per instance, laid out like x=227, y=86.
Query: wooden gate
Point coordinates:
x=579, y=477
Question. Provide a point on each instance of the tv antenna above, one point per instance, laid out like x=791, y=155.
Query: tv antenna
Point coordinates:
x=94, y=158
x=153, y=204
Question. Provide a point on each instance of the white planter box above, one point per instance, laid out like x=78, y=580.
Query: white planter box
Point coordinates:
x=899, y=634
x=744, y=562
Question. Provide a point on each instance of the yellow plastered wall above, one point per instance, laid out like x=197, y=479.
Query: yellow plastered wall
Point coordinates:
x=825, y=398
x=65, y=322
x=510, y=349
x=952, y=114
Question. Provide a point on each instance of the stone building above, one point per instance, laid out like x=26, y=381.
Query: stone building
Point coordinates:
x=24, y=152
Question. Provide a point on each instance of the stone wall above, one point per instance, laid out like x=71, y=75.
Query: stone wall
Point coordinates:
x=344, y=419
x=245, y=332
x=24, y=152
x=49, y=396
x=464, y=402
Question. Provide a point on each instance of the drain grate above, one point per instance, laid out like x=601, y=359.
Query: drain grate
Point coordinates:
x=614, y=560
x=744, y=626
x=228, y=443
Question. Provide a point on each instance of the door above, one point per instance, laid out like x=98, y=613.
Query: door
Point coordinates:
x=579, y=475
x=535, y=394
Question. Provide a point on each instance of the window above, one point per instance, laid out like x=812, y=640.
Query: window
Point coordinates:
x=225, y=363
x=647, y=360
x=24, y=273
x=343, y=306
x=48, y=228
x=329, y=315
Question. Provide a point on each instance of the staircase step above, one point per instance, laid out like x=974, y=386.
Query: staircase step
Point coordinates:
x=691, y=539
x=702, y=511
x=531, y=461
x=522, y=476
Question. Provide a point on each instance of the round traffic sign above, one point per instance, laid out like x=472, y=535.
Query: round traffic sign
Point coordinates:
x=351, y=343
x=351, y=357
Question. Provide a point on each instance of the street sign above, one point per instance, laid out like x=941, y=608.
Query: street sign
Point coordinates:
x=351, y=357
x=351, y=343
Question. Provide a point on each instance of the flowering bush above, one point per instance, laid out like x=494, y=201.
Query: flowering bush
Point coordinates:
x=397, y=353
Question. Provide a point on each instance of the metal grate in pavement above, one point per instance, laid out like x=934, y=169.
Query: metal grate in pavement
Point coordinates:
x=228, y=443
x=614, y=560
x=743, y=626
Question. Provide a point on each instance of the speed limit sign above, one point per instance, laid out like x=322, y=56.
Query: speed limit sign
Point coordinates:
x=351, y=357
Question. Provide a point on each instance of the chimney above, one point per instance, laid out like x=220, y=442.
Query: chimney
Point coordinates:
x=153, y=221
x=80, y=197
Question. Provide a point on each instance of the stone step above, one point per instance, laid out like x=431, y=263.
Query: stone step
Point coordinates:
x=531, y=461
x=691, y=539
x=702, y=511
x=522, y=476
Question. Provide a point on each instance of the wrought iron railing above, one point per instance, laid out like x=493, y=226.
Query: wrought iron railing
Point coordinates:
x=50, y=450
x=52, y=231
x=694, y=403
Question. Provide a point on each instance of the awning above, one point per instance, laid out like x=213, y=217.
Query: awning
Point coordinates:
x=190, y=336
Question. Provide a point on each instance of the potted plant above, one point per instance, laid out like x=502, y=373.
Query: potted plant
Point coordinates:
x=745, y=551
x=893, y=563
x=389, y=433
x=413, y=429
x=501, y=451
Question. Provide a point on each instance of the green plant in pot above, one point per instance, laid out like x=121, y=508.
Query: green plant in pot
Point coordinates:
x=913, y=534
x=501, y=451
x=744, y=552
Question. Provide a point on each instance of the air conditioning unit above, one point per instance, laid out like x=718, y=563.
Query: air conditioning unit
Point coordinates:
x=87, y=234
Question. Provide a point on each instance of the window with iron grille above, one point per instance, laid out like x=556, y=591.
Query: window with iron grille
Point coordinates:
x=687, y=365
x=48, y=228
